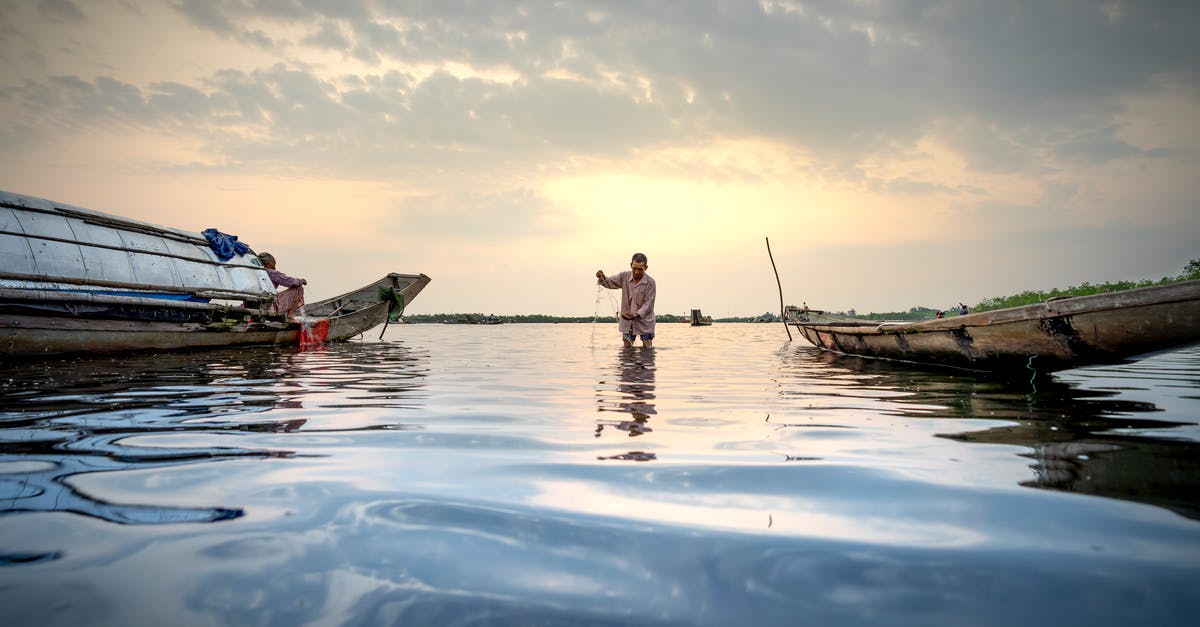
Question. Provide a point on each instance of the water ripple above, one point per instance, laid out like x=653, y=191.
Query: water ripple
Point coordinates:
x=543, y=474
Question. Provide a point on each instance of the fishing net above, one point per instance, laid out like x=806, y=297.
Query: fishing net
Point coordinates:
x=601, y=293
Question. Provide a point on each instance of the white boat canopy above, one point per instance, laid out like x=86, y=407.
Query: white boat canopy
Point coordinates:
x=52, y=246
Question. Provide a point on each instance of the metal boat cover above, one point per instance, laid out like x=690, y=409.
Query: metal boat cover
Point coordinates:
x=53, y=243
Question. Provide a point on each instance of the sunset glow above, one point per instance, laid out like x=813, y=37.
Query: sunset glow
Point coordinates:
x=894, y=156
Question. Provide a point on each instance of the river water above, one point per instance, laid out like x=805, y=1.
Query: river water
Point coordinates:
x=542, y=474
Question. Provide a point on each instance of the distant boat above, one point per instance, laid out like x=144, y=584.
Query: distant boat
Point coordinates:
x=700, y=320
x=1055, y=335
x=76, y=280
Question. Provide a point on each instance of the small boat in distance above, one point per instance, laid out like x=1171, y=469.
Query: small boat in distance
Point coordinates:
x=700, y=320
x=75, y=280
x=1058, y=334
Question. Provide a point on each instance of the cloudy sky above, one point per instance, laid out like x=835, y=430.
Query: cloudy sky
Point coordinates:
x=896, y=153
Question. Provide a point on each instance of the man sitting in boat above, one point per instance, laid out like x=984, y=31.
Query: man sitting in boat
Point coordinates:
x=289, y=300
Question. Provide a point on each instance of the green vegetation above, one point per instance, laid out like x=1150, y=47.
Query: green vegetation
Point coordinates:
x=1029, y=297
x=916, y=313
x=1190, y=272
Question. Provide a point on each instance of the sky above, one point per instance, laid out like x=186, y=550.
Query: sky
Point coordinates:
x=895, y=153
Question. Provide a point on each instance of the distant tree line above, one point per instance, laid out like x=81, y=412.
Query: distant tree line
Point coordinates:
x=915, y=313
x=1190, y=272
x=1029, y=297
x=475, y=318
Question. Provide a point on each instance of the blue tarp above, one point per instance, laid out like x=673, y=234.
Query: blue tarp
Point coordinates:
x=187, y=297
x=225, y=246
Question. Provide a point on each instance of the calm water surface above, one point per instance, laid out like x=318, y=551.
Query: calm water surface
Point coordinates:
x=542, y=474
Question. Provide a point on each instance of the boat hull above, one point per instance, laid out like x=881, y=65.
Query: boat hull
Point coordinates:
x=1055, y=335
x=31, y=336
x=90, y=326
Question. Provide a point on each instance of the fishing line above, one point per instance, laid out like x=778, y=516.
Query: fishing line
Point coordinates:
x=1029, y=364
x=612, y=306
x=596, y=316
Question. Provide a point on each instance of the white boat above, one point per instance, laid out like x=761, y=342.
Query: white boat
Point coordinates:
x=77, y=280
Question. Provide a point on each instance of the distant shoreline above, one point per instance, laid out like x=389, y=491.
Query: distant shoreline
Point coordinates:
x=486, y=319
x=1190, y=273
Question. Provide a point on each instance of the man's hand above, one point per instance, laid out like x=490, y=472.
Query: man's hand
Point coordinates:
x=600, y=274
x=628, y=316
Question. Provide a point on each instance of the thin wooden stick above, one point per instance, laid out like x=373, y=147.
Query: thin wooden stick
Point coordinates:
x=782, y=315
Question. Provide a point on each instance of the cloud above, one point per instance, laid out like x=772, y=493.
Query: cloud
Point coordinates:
x=999, y=119
x=1010, y=87
x=207, y=15
x=329, y=35
x=514, y=215
x=1023, y=83
x=60, y=10
x=211, y=16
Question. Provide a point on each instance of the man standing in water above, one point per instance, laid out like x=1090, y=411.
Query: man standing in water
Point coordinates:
x=637, y=300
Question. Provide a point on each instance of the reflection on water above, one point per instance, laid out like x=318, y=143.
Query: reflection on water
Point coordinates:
x=62, y=420
x=629, y=390
x=1081, y=439
x=519, y=474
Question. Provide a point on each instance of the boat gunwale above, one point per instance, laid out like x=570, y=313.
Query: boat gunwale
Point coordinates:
x=1069, y=306
x=80, y=287
x=36, y=295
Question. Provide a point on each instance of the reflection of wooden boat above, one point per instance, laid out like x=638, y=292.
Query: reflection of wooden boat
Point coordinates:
x=699, y=320
x=74, y=280
x=1054, y=335
x=1077, y=437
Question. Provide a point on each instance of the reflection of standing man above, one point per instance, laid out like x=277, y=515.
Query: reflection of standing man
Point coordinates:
x=637, y=300
x=634, y=393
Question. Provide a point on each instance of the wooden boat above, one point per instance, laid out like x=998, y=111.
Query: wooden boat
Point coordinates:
x=700, y=320
x=76, y=280
x=1055, y=335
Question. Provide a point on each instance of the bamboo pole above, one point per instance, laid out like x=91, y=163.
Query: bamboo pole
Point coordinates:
x=782, y=315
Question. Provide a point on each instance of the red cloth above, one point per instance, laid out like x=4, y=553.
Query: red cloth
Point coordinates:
x=314, y=334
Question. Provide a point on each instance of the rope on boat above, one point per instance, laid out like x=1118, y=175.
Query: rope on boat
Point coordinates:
x=1033, y=376
x=395, y=301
